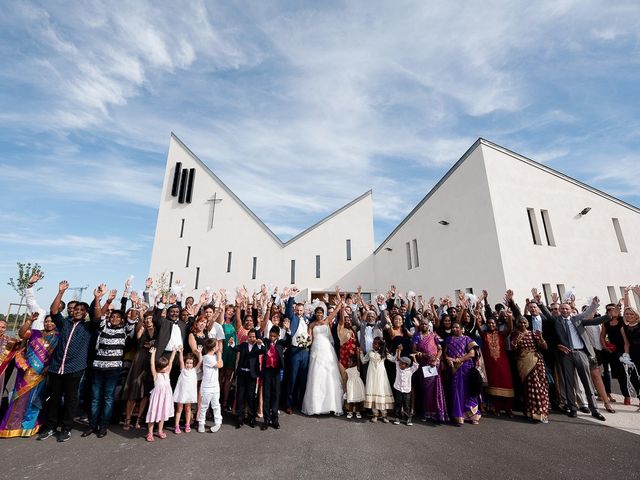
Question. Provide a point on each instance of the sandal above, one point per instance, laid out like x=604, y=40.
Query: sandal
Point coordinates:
x=127, y=425
x=149, y=437
x=608, y=408
x=138, y=427
x=162, y=435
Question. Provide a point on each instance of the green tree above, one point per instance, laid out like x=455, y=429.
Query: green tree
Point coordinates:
x=25, y=271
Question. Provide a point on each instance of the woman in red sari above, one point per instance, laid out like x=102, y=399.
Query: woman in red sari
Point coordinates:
x=496, y=362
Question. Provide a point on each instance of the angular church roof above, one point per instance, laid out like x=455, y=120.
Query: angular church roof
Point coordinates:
x=515, y=156
x=253, y=215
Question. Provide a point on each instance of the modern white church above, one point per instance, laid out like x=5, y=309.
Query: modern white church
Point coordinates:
x=496, y=220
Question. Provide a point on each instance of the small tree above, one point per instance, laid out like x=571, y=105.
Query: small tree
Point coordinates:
x=20, y=284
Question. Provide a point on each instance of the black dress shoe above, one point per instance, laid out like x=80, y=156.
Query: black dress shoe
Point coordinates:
x=239, y=423
x=585, y=410
x=43, y=435
x=87, y=433
x=276, y=425
x=572, y=413
x=598, y=415
x=264, y=426
x=252, y=423
x=102, y=432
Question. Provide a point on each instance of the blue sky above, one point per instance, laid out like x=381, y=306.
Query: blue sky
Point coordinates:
x=337, y=98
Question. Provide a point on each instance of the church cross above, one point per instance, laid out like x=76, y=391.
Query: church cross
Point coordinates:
x=213, y=201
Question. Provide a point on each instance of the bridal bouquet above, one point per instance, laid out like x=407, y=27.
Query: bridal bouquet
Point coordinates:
x=303, y=340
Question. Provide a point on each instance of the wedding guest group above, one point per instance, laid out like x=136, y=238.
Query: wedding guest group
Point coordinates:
x=245, y=359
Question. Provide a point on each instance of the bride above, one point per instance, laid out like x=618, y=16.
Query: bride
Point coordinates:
x=324, y=384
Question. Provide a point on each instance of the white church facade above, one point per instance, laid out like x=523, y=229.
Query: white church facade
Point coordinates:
x=496, y=220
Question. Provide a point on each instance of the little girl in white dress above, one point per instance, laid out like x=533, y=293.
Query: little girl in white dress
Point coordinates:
x=186, y=391
x=378, y=393
x=355, y=390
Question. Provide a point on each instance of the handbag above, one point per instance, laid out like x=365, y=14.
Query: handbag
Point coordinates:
x=475, y=382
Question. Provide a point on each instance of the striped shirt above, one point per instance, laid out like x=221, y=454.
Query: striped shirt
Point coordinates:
x=110, y=345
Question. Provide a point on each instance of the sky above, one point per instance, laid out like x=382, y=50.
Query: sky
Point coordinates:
x=336, y=97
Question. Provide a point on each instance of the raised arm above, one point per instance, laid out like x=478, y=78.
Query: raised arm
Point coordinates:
x=180, y=358
x=55, y=305
x=26, y=326
x=152, y=351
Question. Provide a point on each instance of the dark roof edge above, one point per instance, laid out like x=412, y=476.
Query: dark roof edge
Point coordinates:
x=253, y=215
x=431, y=192
x=556, y=173
x=329, y=217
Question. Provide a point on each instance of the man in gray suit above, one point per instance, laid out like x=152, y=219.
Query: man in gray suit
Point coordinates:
x=576, y=352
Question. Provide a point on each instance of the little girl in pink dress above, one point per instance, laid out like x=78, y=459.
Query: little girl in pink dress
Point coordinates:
x=161, y=399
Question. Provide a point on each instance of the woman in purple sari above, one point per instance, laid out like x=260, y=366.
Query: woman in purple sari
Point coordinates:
x=26, y=401
x=427, y=345
x=459, y=354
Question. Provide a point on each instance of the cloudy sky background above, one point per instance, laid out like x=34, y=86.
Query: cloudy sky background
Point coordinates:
x=338, y=98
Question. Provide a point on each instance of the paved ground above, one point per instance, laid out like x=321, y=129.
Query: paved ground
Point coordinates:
x=328, y=447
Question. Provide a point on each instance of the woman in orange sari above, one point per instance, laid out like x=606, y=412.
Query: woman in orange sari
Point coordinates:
x=496, y=362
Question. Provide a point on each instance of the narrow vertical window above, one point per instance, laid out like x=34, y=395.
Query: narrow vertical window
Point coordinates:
x=293, y=272
x=254, y=267
x=613, y=298
x=409, y=256
x=348, y=250
x=546, y=289
x=636, y=297
x=469, y=290
x=548, y=231
x=621, y=242
x=188, y=256
x=170, y=279
x=228, y=262
x=317, y=266
x=621, y=293
x=197, y=278
x=182, y=228
x=533, y=225
x=561, y=290
x=416, y=260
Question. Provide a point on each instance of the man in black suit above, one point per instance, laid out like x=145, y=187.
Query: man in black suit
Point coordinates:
x=247, y=372
x=273, y=364
x=576, y=352
x=172, y=333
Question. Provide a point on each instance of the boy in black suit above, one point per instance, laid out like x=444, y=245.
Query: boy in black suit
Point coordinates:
x=247, y=372
x=273, y=363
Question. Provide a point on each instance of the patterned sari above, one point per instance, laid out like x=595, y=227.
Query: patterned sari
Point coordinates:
x=26, y=401
x=348, y=346
x=432, y=393
x=463, y=404
x=533, y=374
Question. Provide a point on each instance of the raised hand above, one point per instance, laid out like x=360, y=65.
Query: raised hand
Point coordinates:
x=134, y=297
x=554, y=297
x=359, y=289
x=508, y=296
x=33, y=279
x=172, y=298
x=485, y=294
x=98, y=293
x=204, y=298
x=286, y=323
x=112, y=295
x=34, y=316
x=127, y=285
x=325, y=298
x=62, y=286
x=149, y=283
x=595, y=301
x=432, y=301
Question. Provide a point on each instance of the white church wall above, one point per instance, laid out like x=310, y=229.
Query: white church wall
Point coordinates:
x=463, y=254
x=586, y=253
x=237, y=231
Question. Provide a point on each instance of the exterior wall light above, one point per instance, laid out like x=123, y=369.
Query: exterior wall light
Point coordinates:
x=585, y=211
x=443, y=222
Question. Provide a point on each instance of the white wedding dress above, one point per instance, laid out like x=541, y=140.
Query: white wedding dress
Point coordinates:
x=324, y=385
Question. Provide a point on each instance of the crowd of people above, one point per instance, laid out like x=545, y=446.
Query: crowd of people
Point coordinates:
x=162, y=357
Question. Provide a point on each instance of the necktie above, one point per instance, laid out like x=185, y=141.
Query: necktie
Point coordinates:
x=566, y=327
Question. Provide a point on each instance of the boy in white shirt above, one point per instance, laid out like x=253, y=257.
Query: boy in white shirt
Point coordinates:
x=210, y=388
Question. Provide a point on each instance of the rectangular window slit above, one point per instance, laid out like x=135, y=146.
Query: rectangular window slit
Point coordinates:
x=533, y=225
x=254, y=267
x=546, y=223
x=409, y=266
x=621, y=242
x=197, y=277
x=293, y=272
x=188, y=256
x=416, y=260
x=317, y=266
x=348, y=250
x=228, y=262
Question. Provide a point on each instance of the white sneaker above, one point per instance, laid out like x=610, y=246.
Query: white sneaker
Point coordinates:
x=358, y=415
x=200, y=427
x=396, y=422
x=215, y=428
x=349, y=415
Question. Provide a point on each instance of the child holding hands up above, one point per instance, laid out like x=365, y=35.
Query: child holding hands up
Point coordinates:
x=161, y=399
x=186, y=391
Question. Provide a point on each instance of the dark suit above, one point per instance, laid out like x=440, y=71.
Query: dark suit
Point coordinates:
x=271, y=381
x=247, y=372
x=576, y=361
x=163, y=327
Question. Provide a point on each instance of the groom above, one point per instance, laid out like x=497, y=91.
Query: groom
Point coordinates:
x=298, y=355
